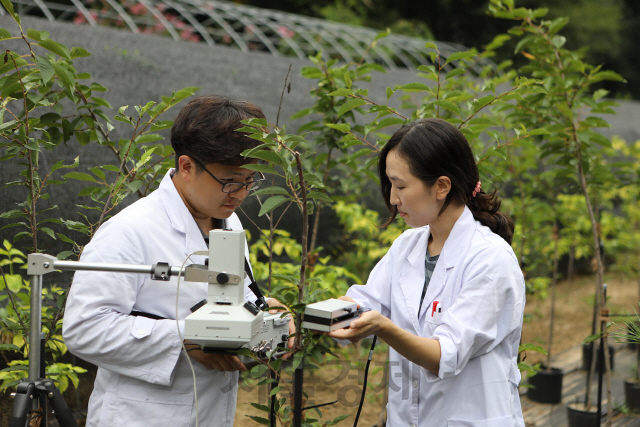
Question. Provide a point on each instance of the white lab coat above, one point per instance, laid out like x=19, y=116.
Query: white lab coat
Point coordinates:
x=479, y=286
x=143, y=377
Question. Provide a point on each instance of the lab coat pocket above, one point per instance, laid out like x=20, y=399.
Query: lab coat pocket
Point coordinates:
x=432, y=319
x=142, y=327
x=147, y=406
x=493, y=422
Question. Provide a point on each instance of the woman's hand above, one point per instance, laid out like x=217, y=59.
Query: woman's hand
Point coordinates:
x=369, y=323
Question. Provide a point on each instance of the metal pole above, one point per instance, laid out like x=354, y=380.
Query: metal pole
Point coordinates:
x=118, y=268
x=35, y=327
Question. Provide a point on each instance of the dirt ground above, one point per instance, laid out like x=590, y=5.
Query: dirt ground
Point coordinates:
x=572, y=324
x=341, y=380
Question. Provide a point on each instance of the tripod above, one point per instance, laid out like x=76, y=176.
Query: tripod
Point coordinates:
x=37, y=389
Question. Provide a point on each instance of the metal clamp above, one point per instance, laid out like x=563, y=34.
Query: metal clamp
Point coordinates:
x=161, y=271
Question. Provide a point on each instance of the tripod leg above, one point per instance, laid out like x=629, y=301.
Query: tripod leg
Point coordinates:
x=22, y=404
x=58, y=405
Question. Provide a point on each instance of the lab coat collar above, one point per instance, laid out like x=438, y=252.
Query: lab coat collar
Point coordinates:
x=459, y=238
x=452, y=253
x=180, y=217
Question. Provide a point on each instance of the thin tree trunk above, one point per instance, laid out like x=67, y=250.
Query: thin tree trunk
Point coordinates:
x=572, y=256
x=553, y=292
x=600, y=268
x=316, y=220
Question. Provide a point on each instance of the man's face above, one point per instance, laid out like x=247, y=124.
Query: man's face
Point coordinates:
x=203, y=194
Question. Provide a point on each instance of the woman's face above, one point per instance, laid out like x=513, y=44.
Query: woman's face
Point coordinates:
x=417, y=203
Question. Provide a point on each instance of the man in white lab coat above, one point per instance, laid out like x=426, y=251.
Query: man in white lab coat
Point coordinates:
x=126, y=323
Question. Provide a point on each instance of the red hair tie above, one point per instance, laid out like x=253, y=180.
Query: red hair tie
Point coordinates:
x=476, y=190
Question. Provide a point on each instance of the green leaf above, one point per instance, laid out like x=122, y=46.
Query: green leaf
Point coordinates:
x=319, y=196
x=459, y=55
x=271, y=203
x=78, y=52
x=267, y=155
x=531, y=347
x=4, y=34
x=264, y=408
x=350, y=105
x=413, y=86
x=455, y=72
x=100, y=101
x=49, y=232
x=61, y=165
x=271, y=190
x=278, y=389
x=16, y=367
x=9, y=347
x=382, y=34
x=342, y=127
x=260, y=168
x=7, y=4
x=390, y=93
x=7, y=125
x=341, y=92
x=389, y=121
x=301, y=113
x=347, y=80
x=65, y=254
x=448, y=105
x=430, y=45
x=123, y=119
x=65, y=77
x=12, y=214
x=259, y=420
x=558, y=41
x=147, y=137
x=80, y=176
x=55, y=47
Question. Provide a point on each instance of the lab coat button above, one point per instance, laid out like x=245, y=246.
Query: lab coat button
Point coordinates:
x=141, y=331
x=415, y=383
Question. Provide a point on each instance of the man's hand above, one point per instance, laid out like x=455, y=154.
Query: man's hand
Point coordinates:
x=219, y=362
x=278, y=306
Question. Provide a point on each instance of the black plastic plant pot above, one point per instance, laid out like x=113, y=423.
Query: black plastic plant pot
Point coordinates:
x=586, y=358
x=632, y=394
x=546, y=386
x=578, y=417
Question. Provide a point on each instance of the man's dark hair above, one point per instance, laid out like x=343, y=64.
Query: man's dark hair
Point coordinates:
x=434, y=148
x=206, y=129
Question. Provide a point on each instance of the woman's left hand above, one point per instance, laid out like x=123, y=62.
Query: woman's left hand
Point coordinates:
x=369, y=323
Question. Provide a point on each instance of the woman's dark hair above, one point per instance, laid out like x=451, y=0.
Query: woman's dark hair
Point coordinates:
x=206, y=129
x=434, y=148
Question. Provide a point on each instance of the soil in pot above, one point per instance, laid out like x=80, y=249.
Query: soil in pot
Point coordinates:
x=577, y=416
x=546, y=386
x=632, y=393
x=586, y=358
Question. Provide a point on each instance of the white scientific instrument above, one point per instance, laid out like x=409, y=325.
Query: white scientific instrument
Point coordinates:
x=226, y=322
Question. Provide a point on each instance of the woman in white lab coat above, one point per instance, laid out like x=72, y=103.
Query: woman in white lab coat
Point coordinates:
x=448, y=297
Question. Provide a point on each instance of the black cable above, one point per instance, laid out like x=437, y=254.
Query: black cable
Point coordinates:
x=366, y=374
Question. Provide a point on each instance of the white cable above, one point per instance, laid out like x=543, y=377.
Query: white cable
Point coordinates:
x=184, y=348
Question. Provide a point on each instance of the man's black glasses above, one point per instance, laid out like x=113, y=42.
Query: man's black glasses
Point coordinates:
x=232, y=187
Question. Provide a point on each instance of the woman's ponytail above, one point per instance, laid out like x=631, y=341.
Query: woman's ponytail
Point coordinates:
x=486, y=209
